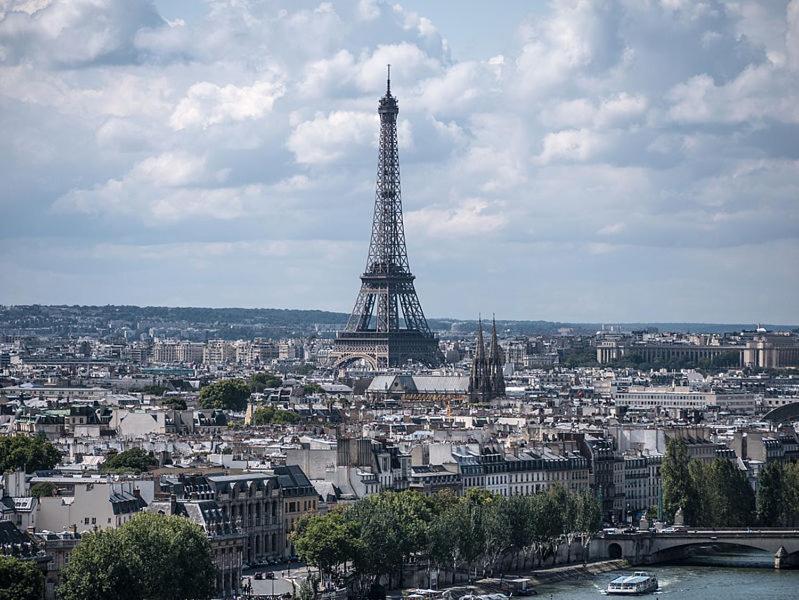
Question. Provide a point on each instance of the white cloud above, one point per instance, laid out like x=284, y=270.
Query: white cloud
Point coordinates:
x=208, y=104
x=570, y=145
x=328, y=138
x=472, y=217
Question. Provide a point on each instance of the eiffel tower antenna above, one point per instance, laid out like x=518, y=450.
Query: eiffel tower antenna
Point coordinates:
x=387, y=326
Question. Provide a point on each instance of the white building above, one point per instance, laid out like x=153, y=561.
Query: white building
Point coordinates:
x=684, y=398
x=89, y=503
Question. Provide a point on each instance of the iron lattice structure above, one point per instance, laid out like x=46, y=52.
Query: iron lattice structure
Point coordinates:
x=387, y=326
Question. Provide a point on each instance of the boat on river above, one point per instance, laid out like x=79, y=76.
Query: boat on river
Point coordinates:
x=639, y=582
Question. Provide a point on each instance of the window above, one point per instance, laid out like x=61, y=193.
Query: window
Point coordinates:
x=94, y=520
x=86, y=521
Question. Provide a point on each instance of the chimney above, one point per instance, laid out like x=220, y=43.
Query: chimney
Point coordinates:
x=74, y=529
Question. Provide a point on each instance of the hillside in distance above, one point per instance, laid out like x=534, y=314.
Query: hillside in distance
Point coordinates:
x=247, y=323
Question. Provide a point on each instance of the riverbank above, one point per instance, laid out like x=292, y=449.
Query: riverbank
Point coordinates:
x=572, y=572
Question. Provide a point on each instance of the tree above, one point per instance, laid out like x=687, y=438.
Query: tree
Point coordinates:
x=312, y=388
x=174, y=403
x=134, y=460
x=677, y=492
x=43, y=489
x=497, y=527
x=175, y=556
x=32, y=453
x=20, y=579
x=268, y=415
x=731, y=501
x=589, y=519
x=151, y=557
x=155, y=389
x=778, y=495
x=102, y=567
x=324, y=541
x=228, y=394
x=261, y=381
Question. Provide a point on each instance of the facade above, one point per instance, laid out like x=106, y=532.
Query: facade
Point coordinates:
x=607, y=476
x=253, y=503
x=642, y=485
x=299, y=499
x=526, y=472
x=87, y=504
x=227, y=543
x=58, y=546
x=685, y=399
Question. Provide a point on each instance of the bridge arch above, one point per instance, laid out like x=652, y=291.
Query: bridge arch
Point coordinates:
x=614, y=551
x=679, y=550
x=349, y=359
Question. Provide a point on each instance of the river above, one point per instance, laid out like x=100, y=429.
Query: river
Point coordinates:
x=738, y=575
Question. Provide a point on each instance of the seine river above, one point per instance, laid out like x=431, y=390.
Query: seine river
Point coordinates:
x=727, y=576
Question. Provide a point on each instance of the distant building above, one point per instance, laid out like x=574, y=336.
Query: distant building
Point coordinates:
x=487, y=380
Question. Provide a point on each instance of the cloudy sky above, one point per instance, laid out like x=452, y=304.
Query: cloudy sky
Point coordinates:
x=630, y=160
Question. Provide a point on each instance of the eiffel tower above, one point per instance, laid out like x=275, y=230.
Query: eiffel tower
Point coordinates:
x=387, y=327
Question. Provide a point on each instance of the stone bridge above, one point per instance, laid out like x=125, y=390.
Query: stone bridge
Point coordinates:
x=648, y=547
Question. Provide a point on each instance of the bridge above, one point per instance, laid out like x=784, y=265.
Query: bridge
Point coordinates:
x=649, y=547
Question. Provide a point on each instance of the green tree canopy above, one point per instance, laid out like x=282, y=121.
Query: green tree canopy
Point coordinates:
x=268, y=415
x=261, y=381
x=228, y=394
x=174, y=403
x=778, y=495
x=20, y=579
x=677, y=492
x=312, y=388
x=134, y=460
x=43, y=489
x=151, y=557
x=325, y=541
x=32, y=453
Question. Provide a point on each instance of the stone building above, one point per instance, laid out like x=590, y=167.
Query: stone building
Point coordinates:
x=226, y=541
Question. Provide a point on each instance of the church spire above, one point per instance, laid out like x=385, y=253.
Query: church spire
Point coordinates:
x=495, y=362
x=480, y=376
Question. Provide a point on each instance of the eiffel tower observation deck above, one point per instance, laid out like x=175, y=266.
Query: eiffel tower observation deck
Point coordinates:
x=387, y=327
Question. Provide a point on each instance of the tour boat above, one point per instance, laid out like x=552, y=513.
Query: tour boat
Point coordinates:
x=639, y=582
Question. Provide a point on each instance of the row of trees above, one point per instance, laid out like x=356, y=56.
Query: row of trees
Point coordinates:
x=718, y=493
x=778, y=495
x=710, y=494
x=377, y=536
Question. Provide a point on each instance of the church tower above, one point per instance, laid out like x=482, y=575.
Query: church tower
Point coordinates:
x=479, y=378
x=486, y=380
x=495, y=363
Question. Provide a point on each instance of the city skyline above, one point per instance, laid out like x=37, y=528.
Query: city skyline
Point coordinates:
x=582, y=162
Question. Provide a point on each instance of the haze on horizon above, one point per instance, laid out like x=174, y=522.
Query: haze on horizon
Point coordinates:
x=609, y=161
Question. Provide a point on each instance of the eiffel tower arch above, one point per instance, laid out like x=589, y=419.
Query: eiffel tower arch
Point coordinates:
x=387, y=326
